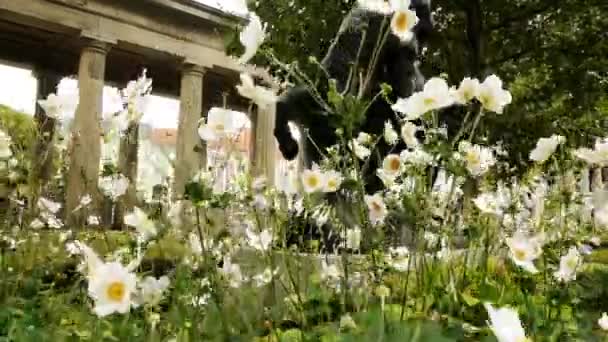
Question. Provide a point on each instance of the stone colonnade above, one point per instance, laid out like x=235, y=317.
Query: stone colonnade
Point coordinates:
x=85, y=146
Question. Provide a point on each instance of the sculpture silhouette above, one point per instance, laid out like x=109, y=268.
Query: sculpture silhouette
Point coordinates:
x=397, y=66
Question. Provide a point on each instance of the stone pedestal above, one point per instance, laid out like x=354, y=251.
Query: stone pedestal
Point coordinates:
x=265, y=145
x=190, y=154
x=85, y=143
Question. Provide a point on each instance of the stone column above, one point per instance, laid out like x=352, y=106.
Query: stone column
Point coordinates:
x=43, y=169
x=265, y=148
x=190, y=154
x=85, y=144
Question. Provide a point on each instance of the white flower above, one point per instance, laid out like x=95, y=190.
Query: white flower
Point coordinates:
x=140, y=221
x=232, y=273
x=84, y=201
x=596, y=241
x=259, y=95
x=391, y=166
x=353, y=238
x=93, y=220
x=51, y=220
x=390, y=135
x=568, y=265
x=113, y=102
x=252, y=37
x=361, y=151
x=435, y=95
x=492, y=96
x=259, y=183
x=545, y=147
x=151, y=289
x=603, y=322
x=525, y=249
x=321, y=215
x=111, y=286
x=333, y=180
x=176, y=213
x=398, y=258
x=259, y=202
x=91, y=260
x=330, y=273
x=505, y=324
x=195, y=244
x=376, y=207
x=264, y=278
x=137, y=97
x=220, y=123
x=261, y=241
x=114, y=186
x=313, y=180
x=597, y=156
x=416, y=157
x=408, y=134
x=443, y=186
x=37, y=224
x=378, y=6
x=57, y=106
x=488, y=204
x=72, y=248
x=467, y=91
x=478, y=159
x=403, y=22
x=5, y=145
x=364, y=138
x=48, y=205
x=347, y=323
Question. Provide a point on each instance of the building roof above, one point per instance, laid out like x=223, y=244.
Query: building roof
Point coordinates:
x=205, y=9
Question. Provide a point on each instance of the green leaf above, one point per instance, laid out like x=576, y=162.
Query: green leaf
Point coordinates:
x=469, y=299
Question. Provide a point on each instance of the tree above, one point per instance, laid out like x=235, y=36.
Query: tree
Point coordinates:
x=551, y=54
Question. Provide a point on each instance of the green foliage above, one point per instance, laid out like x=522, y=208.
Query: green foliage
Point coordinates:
x=550, y=54
x=19, y=126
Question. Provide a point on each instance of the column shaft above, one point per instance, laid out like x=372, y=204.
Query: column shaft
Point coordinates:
x=264, y=160
x=85, y=144
x=190, y=154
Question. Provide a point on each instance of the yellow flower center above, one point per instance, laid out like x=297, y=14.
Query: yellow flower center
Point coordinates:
x=394, y=164
x=401, y=22
x=519, y=254
x=376, y=206
x=429, y=101
x=332, y=184
x=312, y=181
x=485, y=98
x=116, y=291
x=473, y=159
x=220, y=127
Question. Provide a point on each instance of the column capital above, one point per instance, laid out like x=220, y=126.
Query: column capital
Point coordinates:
x=96, y=46
x=189, y=68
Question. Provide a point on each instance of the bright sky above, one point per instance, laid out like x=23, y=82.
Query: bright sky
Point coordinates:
x=234, y=6
x=18, y=91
